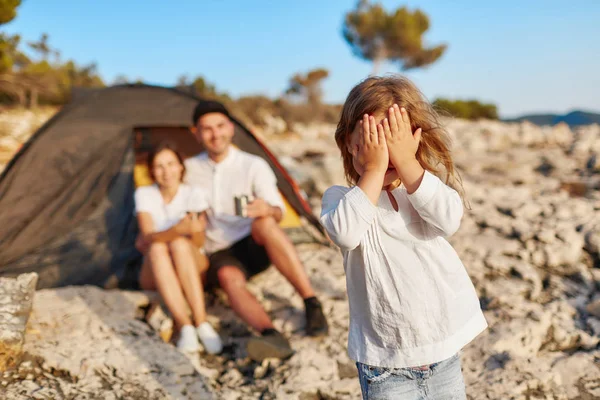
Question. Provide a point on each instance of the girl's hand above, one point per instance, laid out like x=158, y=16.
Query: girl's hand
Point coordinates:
x=401, y=141
x=372, y=152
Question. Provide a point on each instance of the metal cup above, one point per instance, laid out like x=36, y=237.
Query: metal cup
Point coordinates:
x=241, y=205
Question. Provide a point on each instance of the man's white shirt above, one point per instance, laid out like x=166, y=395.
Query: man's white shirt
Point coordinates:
x=240, y=173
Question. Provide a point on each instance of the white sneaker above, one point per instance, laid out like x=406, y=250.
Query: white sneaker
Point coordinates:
x=188, y=341
x=209, y=338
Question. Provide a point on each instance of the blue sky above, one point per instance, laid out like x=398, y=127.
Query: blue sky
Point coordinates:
x=524, y=56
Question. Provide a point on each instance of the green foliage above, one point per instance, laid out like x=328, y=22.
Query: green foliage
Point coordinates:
x=469, y=109
x=376, y=35
x=120, y=80
x=40, y=79
x=202, y=88
x=308, y=86
x=8, y=10
x=254, y=109
x=10, y=55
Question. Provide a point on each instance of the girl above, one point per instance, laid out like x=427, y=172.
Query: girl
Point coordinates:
x=171, y=233
x=412, y=304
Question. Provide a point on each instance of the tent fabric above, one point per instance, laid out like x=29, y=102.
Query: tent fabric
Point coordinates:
x=66, y=199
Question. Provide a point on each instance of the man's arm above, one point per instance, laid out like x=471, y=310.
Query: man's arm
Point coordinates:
x=268, y=202
x=259, y=208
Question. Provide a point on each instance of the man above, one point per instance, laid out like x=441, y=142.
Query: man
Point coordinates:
x=240, y=247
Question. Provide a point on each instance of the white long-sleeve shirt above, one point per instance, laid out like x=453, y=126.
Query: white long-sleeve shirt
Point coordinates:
x=411, y=300
x=240, y=173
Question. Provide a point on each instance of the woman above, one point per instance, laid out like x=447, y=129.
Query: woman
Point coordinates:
x=171, y=231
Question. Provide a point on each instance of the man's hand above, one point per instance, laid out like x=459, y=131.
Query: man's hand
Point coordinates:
x=259, y=208
x=401, y=141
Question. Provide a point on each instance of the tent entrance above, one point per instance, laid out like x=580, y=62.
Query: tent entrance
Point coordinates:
x=146, y=138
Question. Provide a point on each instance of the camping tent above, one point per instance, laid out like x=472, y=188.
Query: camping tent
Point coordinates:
x=66, y=199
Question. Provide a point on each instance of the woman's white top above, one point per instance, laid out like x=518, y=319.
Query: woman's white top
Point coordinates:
x=149, y=199
x=411, y=300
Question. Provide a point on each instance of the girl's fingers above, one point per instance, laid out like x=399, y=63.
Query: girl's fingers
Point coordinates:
x=386, y=127
x=403, y=126
x=372, y=129
x=417, y=136
x=405, y=117
x=363, y=137
x=393, y=120
x=398, y=114
x=380, y=134
x=399, y=118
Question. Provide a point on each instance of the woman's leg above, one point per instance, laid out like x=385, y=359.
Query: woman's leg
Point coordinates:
x=185, y=260
x=202, y=265
x=146, y=277
x=167, y=283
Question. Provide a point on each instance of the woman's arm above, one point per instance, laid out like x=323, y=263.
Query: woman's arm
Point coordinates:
x=146, y=225
x=198, y=229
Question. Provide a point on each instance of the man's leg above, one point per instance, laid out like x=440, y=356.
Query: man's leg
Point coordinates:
x=233, y=281
x=270, y=343
x=282, y=253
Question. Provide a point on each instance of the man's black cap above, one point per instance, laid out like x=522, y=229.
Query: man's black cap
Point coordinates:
x=206, y=107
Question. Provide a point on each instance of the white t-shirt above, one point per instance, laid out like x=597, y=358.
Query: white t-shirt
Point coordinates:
x=240, y=173
x=411, y=300
x=148, y=199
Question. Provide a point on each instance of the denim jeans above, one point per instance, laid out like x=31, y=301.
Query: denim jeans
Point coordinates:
x=439, y=381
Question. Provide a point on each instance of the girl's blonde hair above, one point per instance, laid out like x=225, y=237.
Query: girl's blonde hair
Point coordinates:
x=376, y=95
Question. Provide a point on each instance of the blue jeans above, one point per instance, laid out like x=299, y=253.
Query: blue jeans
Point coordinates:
x=439, y=381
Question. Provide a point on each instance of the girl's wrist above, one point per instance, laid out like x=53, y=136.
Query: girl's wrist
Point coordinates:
x=374, y=173
x=403, y=163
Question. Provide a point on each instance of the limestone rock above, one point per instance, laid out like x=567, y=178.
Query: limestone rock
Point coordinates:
x=16, y=298
x=88, y=337
x=594, y=308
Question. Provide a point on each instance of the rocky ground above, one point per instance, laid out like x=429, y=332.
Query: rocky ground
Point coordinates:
x=16, y=125
x=530, y=242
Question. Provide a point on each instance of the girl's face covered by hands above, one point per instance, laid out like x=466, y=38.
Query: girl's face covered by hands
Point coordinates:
x=369, y=149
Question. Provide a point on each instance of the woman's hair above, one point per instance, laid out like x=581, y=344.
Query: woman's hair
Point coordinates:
x=157, y=149
x=376, y=95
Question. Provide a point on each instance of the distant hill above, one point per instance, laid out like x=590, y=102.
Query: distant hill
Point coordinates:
x=574, y=118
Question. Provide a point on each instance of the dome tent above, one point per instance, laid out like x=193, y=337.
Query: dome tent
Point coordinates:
x=66, y=198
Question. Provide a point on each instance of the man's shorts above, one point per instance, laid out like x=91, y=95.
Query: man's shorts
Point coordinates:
x=245, y=254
